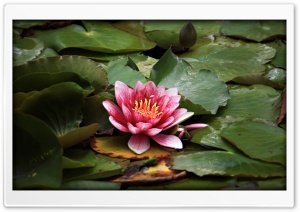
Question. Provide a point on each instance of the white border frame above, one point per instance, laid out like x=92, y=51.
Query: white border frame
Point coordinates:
x=146, y=198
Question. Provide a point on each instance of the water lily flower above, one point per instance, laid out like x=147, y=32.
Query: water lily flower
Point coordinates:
x=146, y=111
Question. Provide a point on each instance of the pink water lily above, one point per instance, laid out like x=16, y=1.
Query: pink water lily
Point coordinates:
x=146, y=111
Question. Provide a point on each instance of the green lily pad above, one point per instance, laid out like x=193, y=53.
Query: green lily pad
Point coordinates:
x=120, y=70
x=267, y=184
x=280, y=58
x=26, y=49
x=133, y=27
x=41, y=80
x=94, y=112
x=90, y=185
x=99, y=36
x=145, y=66
x=19, y=97
x=77, y=135
x=258, y=140
x=37, y=154
x=77, y=158
x=228, y=58
x=165, y=33
x=274, y=77
x=256, y=101
x=226, y=164
x=202, y=92
x=103, y=169
x=254, y=29
x=29, y=23
x=193, y=183
x=58, y=106
x=47, y=52
x=85, y=68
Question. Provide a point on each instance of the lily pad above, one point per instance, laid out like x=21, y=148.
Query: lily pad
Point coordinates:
x=41, y=80
x=202, y=92
x=193, y=183
x=165, y=33
x=120, y=70
x=26, y=50
x=256, y=101
x=226, y=164
x=90, y=185
x=77, y=158
x=94, y=112
x=254, y=29
x=103, y=169
x=19, y=97
x=47, y=52
x=29, y=23
x=58, y=106
x=274, y=77
x=159, y=173
x=99, y=36
x=116, y=146
x=258, y=140
x=37, y=154
x=85, y=68
x=78, y=135
x=229, y=58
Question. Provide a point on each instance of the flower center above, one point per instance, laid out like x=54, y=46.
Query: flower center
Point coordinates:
x=145, y=109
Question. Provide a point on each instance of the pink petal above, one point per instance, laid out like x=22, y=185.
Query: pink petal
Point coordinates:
x=180, y=119
x=152, y=131
x=195, y=126
x=180, y=134
x=172, y=92
x=150, y=88
x=123, y=93
x=139, y=143
x=127, y=113
x=117, y=124
x=133, y=129
x=168, y=141
x=166, y=123
x=114, y=111
x=143, y=126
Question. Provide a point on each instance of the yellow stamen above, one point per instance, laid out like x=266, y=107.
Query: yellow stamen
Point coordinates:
x=145, y=109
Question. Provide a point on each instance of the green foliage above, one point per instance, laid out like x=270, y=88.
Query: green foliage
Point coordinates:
x=231, y=76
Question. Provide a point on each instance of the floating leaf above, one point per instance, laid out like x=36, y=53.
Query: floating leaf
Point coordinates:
x=274, y=77
x=47, y=52
x=254, y=29
x=119, y=70
x=256, y=101
x=77, y=158
x=26, y=50
x=193, y=183
x=19, y=97
x=85, y=68
x=94, y=112
x=28, y=23
x=103, y=169
x=280, y=58
x=133, y=27
x=77, y=135
x=226, y=164
x=229, y=58
x=58, y=106
x=258, y=140
x=202, y=91
x=166, y=33
x=159, y=173
x=99, y=36
x=116, y=146
x=41, y=80
x=37, y=154
x=90, y=185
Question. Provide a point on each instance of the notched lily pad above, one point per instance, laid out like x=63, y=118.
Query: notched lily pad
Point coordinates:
x=116, y=146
